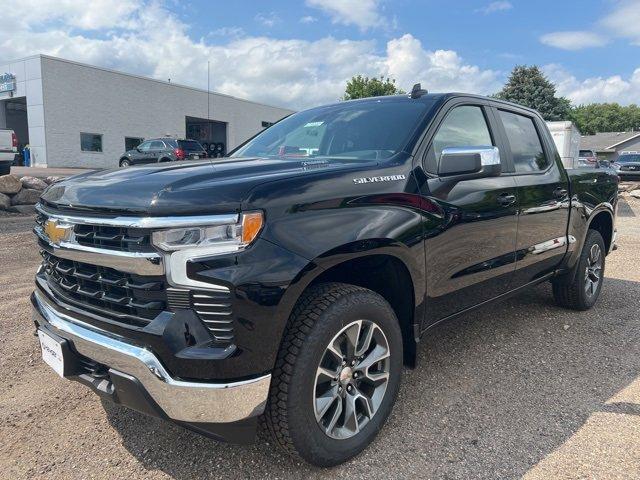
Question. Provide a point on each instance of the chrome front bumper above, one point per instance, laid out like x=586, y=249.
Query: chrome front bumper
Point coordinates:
x=193, y=402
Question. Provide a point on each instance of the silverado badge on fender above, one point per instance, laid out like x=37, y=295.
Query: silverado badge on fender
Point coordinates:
x=385, y=178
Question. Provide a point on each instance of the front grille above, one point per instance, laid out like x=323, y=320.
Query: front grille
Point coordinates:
x=130, y=299
x=123, y=239
x=213, y=308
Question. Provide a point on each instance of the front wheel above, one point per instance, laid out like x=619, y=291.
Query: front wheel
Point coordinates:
x=337, y=374
x=583, y=290
x=125, y=163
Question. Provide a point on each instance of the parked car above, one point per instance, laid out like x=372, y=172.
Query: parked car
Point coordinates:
x=587, y=158
x=163, y=149
x=8, y=150
x=291, y=281
x=627, y=165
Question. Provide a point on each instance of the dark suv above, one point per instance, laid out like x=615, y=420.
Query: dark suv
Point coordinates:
x=164, y=149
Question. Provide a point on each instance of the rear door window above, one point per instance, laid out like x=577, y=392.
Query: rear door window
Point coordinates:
x=190, y=146
x=526, y=147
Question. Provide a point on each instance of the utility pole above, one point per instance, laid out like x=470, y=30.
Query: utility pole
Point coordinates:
x=208, y=101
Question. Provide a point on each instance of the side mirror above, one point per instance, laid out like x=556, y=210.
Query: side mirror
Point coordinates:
x=466, y=163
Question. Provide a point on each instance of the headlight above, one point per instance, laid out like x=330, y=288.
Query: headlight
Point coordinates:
x=221, y=238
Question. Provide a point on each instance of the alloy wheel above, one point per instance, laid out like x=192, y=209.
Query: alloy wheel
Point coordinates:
x=593, y=270
x=351, y=379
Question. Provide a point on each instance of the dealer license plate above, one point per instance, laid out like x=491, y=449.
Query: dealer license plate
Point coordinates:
x=51, y=352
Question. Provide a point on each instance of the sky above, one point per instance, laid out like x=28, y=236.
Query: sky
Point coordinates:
x=301, y=53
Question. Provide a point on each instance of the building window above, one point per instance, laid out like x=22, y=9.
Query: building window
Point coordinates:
x=90, y=142
x=131, y=142
x=267, y=124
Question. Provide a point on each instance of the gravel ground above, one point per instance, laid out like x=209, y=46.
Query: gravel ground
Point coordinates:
x=519, y=389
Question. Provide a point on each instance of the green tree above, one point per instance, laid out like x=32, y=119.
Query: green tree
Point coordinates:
x=529, y=87
x=605, y=117
x=363, y=87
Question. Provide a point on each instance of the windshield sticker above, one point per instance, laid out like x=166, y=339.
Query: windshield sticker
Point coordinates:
x=313, y=124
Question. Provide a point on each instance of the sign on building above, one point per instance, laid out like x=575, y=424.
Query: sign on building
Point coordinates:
x=7, y=82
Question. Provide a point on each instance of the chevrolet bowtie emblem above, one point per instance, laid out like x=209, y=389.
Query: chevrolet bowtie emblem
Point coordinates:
x=56, y=232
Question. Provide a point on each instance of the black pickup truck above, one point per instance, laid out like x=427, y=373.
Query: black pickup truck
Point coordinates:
x=284, y=288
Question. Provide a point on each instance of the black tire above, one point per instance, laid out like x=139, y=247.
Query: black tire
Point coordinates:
x=5, y=168
x=164, y=160
x=572, y=291
x=289, y=416
x=125, y=162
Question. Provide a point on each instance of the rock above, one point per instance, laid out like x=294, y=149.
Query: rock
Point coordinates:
x=5, y=201
x=52, y=179
x=23, y=209
x=566, y=327
x=33, y=182
x=9, y=184
x=26, y=196
x=635, y=193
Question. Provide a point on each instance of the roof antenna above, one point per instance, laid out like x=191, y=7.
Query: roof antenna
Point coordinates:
x=417, y=91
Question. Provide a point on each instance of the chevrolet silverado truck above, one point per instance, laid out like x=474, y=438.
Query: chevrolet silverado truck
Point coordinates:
x=282, y=289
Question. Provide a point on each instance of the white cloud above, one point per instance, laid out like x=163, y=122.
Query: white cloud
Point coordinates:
x=573, y=40
x=152, y=41
x=268, y=19
x=232, y=32
x=595, y=89
x=308, y=19
x=362, y=13
x=493, y=7
x=438, y=71
x=74, y=13
x=624, y=20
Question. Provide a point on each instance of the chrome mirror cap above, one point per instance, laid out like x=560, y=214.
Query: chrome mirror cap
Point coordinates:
x=489, y=155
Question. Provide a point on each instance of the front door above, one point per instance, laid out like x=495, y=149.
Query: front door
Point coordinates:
x=471, y=234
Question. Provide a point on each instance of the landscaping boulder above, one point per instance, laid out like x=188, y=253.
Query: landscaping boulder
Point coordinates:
x=9, y=184
x=26, y=196
x=5, y=201
x=51, y=180
x=33, y=182
x=635, y=193
x=23, y=209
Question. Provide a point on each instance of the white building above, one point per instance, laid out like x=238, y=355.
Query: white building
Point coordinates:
x=77, y=115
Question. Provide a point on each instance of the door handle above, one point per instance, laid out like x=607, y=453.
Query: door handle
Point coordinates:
x=560, y=192
x=506, y=199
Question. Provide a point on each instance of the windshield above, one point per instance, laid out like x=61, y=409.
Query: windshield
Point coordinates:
x=628, y=158
x=586, y=153
x=354, y=130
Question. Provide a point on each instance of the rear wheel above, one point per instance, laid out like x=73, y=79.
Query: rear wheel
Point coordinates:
x=582, y=292
x=5, y=168
x=337, y=374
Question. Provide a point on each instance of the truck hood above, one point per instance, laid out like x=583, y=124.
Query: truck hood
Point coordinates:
x=179, y=188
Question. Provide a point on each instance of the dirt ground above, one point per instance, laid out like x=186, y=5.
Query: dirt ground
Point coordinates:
x=523, y=388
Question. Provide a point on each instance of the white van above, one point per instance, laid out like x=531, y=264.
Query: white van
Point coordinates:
x=8, y=150
x=566, y=136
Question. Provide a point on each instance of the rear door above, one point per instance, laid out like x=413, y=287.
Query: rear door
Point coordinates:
x=470, y=241
x=542, y=191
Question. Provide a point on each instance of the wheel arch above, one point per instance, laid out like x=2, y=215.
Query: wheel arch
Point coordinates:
x=603, y=222
x=387, y=271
